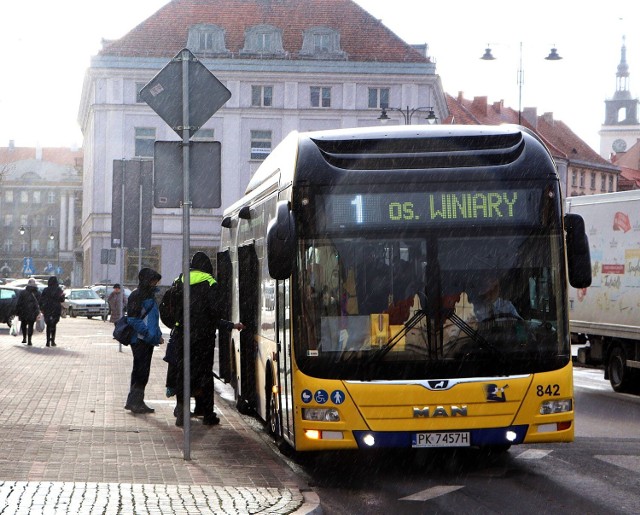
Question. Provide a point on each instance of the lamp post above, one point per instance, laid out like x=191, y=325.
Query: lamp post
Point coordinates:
x=52, y=237
x=24, y=229
x=553, y=56
x=407, y=114
x=28, y=261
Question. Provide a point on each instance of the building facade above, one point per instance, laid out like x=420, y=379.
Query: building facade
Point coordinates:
x=40, y=212
x=291, y=65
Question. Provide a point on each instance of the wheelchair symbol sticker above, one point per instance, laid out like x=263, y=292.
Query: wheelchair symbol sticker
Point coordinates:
x=321, y=396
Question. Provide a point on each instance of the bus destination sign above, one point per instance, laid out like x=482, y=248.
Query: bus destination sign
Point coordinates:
x=464, y=208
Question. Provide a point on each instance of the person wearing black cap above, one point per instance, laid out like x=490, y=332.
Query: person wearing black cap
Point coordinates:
x=143, y=315
x=205, y=319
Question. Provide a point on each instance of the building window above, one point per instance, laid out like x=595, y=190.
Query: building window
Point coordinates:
x=263, y=39
x=261, y=96
x=51, y=245
x=37, y=197
x=260, y=144
x=35, y=245
x=24, y=220
x=207, y=39
x=582, y=179
x=378, y=98
x=203, y=135
x=145, y=140
x=322, y=43
x=610, y=183
x=8, y=220
x=149, y=258
x=320, y=96
x=51, y=221
x=603, y=183
x=593, y=180
x=8, y=195
x=24, y=197
x=139, y=86
x=51, y=197
x=7, y=245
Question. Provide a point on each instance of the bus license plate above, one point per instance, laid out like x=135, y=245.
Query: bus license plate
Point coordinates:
x=441, y=440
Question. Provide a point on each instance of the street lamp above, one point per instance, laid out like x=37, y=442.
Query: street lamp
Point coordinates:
x=553, y=56
x=22, y=231
x=52, y=237
x=407, y=114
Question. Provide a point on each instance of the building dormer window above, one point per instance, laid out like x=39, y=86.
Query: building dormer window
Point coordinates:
x=207, y=39
x=322, y=43
x=263, y=39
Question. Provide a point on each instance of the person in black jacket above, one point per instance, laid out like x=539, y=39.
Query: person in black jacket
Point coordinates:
x=28, y=309
x=204, y=320
x=51, y=305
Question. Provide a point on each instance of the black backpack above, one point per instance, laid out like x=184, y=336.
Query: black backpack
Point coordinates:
x=171, y=304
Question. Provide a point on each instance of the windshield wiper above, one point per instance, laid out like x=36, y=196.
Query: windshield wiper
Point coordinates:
x=409, y=324
x=470, y=331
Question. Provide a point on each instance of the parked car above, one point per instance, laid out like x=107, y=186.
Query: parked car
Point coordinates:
x=84, y=302
x=8, y=301
x=22, y=283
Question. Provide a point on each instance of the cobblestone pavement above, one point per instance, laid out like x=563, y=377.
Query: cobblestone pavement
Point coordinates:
x=68, y=446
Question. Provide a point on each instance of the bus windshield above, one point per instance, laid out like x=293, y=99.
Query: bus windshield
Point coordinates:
x=433, y=305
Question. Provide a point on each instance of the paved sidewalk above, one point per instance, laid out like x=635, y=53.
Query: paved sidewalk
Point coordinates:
x=67, y=446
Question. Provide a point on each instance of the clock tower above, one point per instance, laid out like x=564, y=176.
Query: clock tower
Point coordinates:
x=621, y=128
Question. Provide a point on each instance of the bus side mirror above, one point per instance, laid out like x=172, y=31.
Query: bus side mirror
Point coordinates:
x=578, y=255
x=281, y=242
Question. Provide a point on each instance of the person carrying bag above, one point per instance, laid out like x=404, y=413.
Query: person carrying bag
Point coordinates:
x=143, y=315
x=28, y=309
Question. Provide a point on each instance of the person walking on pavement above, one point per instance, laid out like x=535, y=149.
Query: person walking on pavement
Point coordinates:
x=143, y=315
x=117, y=301
x=51, y=305
x=205, y=309
x=28, y=309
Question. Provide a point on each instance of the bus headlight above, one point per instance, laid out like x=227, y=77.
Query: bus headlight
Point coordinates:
x=321, y=414
x=556, y=406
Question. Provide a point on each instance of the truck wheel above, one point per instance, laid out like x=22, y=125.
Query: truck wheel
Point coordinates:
x=619, y=374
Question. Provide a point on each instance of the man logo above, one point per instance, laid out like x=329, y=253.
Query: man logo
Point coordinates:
x=440, y=411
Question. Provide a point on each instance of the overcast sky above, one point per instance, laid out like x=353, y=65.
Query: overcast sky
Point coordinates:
x=47, y=46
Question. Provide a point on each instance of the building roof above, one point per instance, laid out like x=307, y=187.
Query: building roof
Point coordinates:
x=559, y=138
x=362, y=37
x=58, y=155
x=34, y=164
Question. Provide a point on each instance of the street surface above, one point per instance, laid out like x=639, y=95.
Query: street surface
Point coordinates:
x=67, y=446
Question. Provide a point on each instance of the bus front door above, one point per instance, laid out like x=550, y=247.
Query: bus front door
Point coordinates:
x=249, y=303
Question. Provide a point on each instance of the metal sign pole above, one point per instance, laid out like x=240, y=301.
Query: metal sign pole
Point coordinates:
x=186, y=205
x=122, y=263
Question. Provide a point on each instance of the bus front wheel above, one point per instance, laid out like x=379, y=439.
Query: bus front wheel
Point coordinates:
x=271, y=409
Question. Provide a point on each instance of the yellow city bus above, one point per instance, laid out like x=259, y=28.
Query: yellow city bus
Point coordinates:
x=417, y=283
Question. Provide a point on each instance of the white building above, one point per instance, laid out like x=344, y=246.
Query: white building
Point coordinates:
x=289, y=64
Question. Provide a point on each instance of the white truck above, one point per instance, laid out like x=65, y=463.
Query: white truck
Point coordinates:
x=605, y=317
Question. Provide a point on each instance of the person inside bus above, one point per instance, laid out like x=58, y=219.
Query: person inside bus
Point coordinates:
x=488, y=303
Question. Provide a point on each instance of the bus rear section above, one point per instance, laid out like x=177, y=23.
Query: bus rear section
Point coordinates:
x=426, y=277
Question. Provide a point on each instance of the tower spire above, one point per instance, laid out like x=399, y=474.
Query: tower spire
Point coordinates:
x=622, y=75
